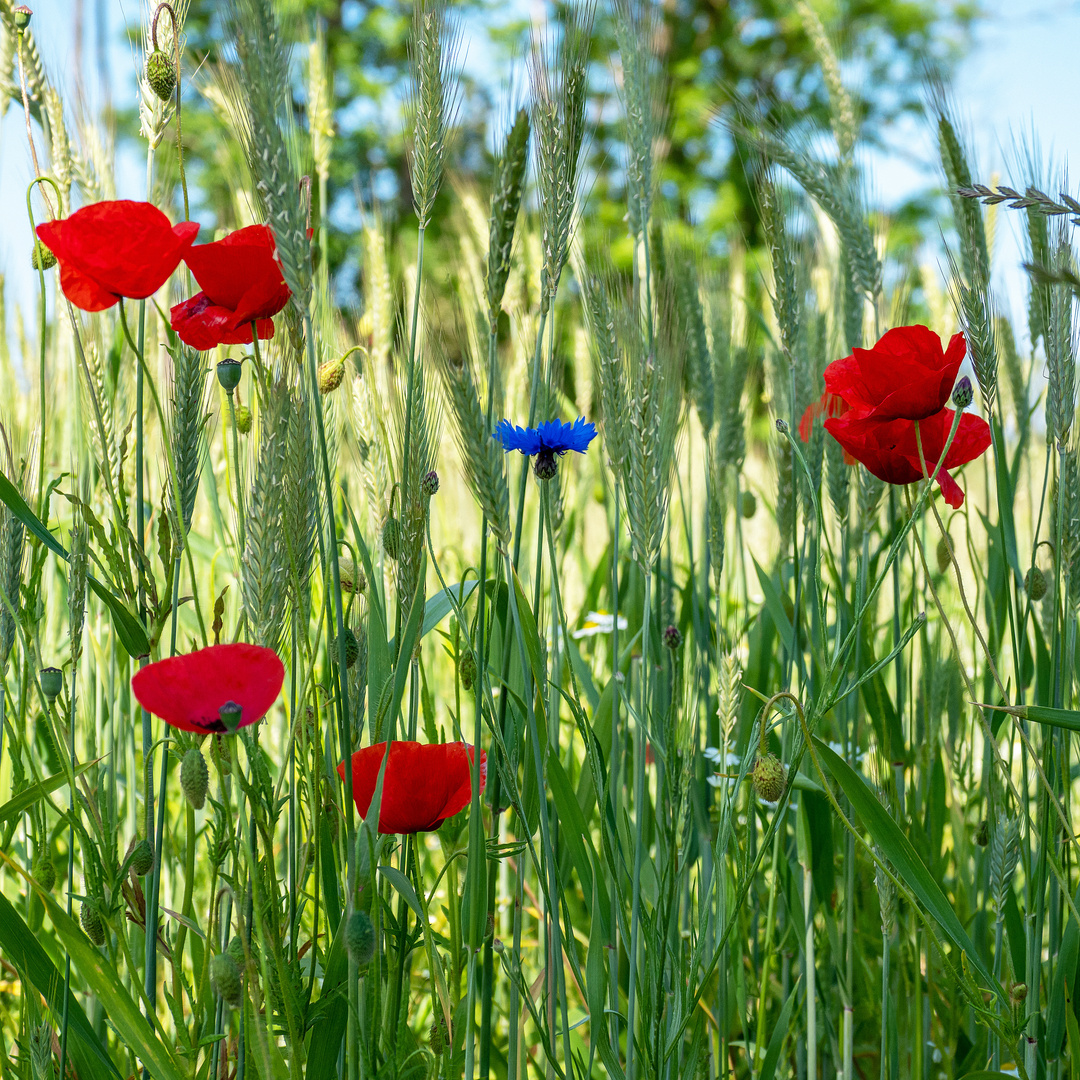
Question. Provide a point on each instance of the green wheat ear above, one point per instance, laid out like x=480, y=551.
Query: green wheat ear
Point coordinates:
x=508, y=184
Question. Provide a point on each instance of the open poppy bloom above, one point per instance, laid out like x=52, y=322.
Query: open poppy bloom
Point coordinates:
x=890, y=451
x=242, y=284
x=216, y=689
x=905, y=376
x=424, y=783
x=115, y=249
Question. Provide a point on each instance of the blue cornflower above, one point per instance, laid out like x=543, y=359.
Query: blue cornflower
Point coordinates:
x=547, y=440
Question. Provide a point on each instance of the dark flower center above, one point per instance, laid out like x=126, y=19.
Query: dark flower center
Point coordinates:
x=545, y=466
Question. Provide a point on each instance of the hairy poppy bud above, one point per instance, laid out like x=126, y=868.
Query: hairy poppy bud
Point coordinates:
x=161, y=74
x=360, y=938
x=225, y=980
x=944, y=558
x=235, y=949
x=467, y=670
x=21, y=16
x=545, y=466
x=243, y=419
x=1035, y=583
x=142, y=858
x=44, y=871
x=352, y=648
x=228, y=374
x=963, y=394
x=194, y=778
x=391, y=537
x=672, y=637
x=430, y=484
x=221, y=752
x=749, y=504
x=52, y=682
x=769, y=778
x=352, y=577
x=438, y=1035
x=330, y=375
x=41, y=258
x=1018, y=994
x=92, y=922
x=781, y=426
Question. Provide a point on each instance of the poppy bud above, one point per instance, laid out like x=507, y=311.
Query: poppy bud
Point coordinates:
x=982, y=833
x=749, y=504
x=467, y=670
x=228, y=374
x=21, y=16
x=225, y=980
x=221, y=752
x=391, y=537
x=235, y=949
x=330, y=375
x=430, y=484
x=944, y=557
x=438, y=1035
x=781, y=426
x=44, y=871
x=142, y=858
x=769, y=778
x=360, y=938
x=963, y=394
x=41, y=258
x=243, y=419
x=1018, y=994
x=92, y=922
x=1035, y=583
x=161, y=74
x=52, y=682
x=352, y=648
x=194, y=778
x=672, y=637
x=545, y=466
x=352, y=577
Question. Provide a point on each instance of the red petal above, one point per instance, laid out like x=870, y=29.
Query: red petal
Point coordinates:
x=950, y=489
x=904, y=376
x=188, y=691
x=424, y=784
x=240, y=272
x=123, y=248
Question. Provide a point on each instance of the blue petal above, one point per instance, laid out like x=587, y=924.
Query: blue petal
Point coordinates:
x=581, y=435
x=559, y=437
x=516, y=438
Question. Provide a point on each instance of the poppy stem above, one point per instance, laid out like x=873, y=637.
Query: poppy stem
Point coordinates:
x=236, y=476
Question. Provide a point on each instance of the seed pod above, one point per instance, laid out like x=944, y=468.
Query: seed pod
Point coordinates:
x=41, y=258
x=21, y=17
x=229, y=373
x=225, y=980
x=52, y=682
x=243, y=419
x=142, y=858
x=769, y=778
x=194, y=778
x=92, y=922
x=161, y=74
x=749, y=504
x=391, y=537
x=360, y=938
x=44, y=872
x=438, y=1035
x=1035, y=583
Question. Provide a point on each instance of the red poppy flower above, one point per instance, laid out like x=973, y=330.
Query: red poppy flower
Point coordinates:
x=242, y=284
x=190, y=691
x=424, y=784
x=889, y=450
x=905, y=376
x=115, y=249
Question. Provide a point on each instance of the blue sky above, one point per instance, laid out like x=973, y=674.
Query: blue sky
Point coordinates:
x=1022, y=72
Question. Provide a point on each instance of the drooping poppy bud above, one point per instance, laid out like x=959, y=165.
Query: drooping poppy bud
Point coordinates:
x=142, y=858
x=161, y=74
x=41, y=258
x=225, y=980
x=44, y=872
x=330, y=375
x=243, y=419
x=92, y=922
x=769, y=777
x=430, y=484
